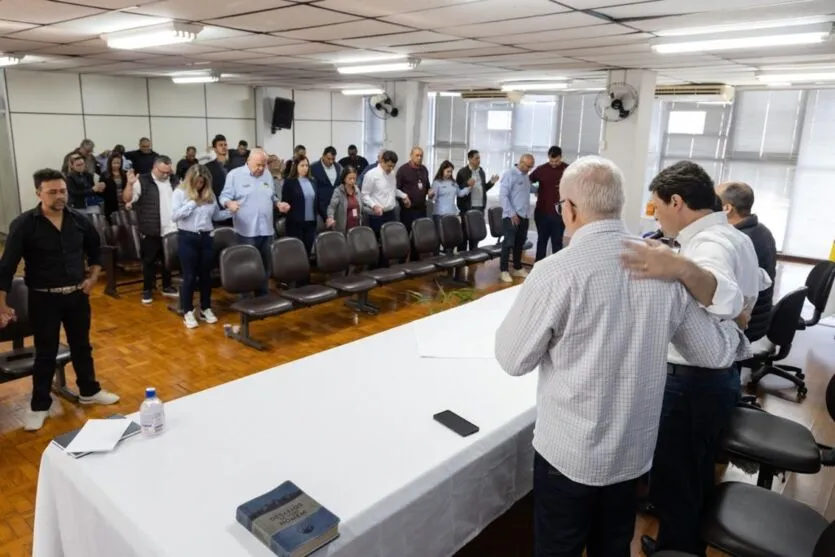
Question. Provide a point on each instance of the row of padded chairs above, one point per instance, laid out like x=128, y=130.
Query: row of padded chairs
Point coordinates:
x=348, y=260
x=18, y=362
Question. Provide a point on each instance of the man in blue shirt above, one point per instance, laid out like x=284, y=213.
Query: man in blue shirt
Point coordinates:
x=515, y=197
x=250, y=196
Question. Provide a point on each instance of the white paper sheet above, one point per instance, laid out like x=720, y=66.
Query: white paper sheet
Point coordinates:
x=474, y=339
x=98, y=436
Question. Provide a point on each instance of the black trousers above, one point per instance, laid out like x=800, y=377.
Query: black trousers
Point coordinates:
x=514, y=240
x=196, y=254
x=569, y=516
x=47, y=312
x=376, y=223
x=407, y=217
x=151, y=248
x=548, y=227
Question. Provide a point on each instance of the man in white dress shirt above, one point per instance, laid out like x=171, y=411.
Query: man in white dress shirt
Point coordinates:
x=600, y=342
x=380, y=194
x=719, y=267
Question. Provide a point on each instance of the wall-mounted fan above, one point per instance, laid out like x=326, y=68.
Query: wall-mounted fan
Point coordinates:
x=617, y=102
x=382, y=106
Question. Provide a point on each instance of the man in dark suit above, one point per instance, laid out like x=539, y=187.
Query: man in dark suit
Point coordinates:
x=737, y=200
x=325, y=172
x=472, y=175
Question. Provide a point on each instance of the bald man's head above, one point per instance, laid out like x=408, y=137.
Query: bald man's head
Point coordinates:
x=257, y=161
x=526, y=163
x=737, y=200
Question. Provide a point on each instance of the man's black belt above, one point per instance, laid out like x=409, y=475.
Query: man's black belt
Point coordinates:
x=685, y=370
x=60, y=289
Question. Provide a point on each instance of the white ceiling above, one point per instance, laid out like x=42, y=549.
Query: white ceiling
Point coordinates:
x=462, y=43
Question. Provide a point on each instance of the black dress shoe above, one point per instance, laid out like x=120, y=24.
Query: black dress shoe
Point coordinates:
x=648, y=545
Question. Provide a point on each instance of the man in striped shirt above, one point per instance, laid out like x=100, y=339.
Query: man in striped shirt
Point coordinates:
x=600, y=342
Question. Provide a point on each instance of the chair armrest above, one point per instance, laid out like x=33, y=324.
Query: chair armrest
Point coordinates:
x=827, y=455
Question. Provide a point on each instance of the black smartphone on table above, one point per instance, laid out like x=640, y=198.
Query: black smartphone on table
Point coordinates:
x=456, y=423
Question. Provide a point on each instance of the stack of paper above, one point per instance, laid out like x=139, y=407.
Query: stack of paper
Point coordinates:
x=99, y=436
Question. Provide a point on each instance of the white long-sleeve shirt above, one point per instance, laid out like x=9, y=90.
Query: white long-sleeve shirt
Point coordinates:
x=380, y=188
x=600, y=341
x=728, y=254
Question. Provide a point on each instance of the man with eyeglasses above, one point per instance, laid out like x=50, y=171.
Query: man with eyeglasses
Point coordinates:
x=54, y=240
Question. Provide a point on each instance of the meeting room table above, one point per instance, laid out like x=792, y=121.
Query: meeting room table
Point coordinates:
x=352, y=426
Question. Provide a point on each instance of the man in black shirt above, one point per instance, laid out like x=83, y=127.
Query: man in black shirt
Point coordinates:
x=353, y=159
x=53, y=241
x=143, y=158
x=184, y=164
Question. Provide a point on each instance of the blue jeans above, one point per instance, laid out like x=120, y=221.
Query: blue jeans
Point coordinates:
x=264, y=245
x=569, y=516
x=548, y=227
x=696, y=408
x=196, y=259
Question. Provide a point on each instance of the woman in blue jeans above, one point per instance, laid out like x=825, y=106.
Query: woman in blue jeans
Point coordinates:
x=194, y=210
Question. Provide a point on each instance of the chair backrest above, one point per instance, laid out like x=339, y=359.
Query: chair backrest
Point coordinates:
x=476, y=227
x=102, y=227
x=830, y=397
x=425, y=236
x=332, y=254
x=18, y=299
x=819, y=282
x=222, y=238
x=758, y=326
x=394, y=239
x=128, y=217
x=281, y=227
x=170, y=255
x=785, y=318
x=450, y=231
x=241, y=269
x=290, y=260
x=363, y=248
x=494, y=219
x=826, y=542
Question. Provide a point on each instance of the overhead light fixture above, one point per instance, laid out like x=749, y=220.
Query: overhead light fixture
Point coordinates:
x=154, y=35
x=779, y=84
x=449, y=94
x=9, y=60
x=189, y=79
x=783, y=77
x=759, y=38
x=404, y=66
x=363, y=92
x=746, y=26
x=535, y=86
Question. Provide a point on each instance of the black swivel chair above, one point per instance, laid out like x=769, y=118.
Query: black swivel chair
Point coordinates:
x=477, y=231
x=819, y=282
x=426, y=241
x=19, y=361
x=397, y=246
x=290, y=265
x=364, y=253
x=171, y=260
x=242, y=272
x=785, y=322
x=333, y=257
x=451, y=236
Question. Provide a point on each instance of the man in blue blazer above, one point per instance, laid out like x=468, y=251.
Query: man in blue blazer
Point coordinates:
x=325, y=172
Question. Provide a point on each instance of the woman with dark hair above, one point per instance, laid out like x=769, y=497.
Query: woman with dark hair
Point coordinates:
x=114, y=178
x=346, y=209
x=299, y=191
x=445, y=193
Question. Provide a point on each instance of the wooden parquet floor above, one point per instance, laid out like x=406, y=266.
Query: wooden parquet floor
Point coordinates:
x=136, y=346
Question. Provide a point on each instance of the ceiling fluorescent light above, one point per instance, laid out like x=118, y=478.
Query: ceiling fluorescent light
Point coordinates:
x=762, y=38
x=363, y=92
x=796, y=77
x=535, y=86
x=449, y=94
x=9, y=60
x=747, y=26
x=379, y=68
x=154, y=35
x=190, y=79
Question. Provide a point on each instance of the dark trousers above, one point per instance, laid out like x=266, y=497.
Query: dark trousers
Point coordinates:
x=695, y=410
x=514, y=239
x=407, y=217
x=569, y=516
x=376, y=223
x=264, y=246
x=196, y=259
x=151, y=248
x=47, y=313
x=548, y=227
x=468, y=244
x=304, y=231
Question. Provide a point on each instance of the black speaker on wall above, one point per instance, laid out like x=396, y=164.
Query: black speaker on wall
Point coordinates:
x=283, y=111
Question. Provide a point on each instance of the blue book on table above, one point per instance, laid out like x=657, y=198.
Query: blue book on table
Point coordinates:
x=289, y=521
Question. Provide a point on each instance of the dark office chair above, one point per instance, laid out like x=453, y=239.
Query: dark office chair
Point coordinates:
x=451, y=236
x=397, y=246
x=333, y=258
x=364, y=253
x=20, y=360
x=426, y=240
x=819, y=282
x=290, y=265
x=748, y=521
x=171, y=260
x=477, y=231
x=280, y=227
x=785, y=322
x=242, y=272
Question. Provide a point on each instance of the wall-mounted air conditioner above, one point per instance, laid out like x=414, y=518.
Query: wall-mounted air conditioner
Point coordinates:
x=492, y=95
x=696, y=92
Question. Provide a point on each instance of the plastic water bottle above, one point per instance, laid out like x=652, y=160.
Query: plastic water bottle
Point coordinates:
x=151, y=414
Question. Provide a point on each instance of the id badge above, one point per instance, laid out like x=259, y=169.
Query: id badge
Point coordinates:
x=354, y=213
x=420, y=185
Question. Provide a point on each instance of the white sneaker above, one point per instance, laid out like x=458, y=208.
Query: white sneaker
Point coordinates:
x=33, y=420
x=505, y=277
x=519, y=273
x=190, y=320
x=207, y=316
x=102, y=397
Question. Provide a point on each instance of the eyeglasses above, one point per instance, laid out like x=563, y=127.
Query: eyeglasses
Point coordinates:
x=559, y=205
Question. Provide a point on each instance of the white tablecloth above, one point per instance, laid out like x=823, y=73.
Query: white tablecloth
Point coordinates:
x=351, y=426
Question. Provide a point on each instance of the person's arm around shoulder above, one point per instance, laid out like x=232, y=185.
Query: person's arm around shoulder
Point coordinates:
x=537, y=316
x=704, y=340
x=181, y=207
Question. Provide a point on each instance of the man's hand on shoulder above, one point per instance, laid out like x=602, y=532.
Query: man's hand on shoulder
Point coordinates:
x=651, y=259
